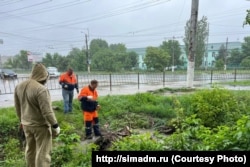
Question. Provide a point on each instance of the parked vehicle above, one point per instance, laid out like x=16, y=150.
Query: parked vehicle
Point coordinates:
x=53, y=72
x=7, y=73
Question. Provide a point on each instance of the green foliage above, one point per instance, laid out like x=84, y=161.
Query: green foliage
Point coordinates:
x=13, y=154
x=235, y=57
x=63, y=153
x=132, y=60
x=245, y=62
x=219, y=64
x=194, y=136
x=245, y=46
x=221, y=58
x=156, y=58
x=222, y=53
x=75, y=59
x=184, y=138
x=247, y=19
x=215, y=107
x=142, y=142
x=97, y=45
x=237, y=83
x=8, y=123
x=201, y=38
x=82, y=156
x=106, y=60
x=112, y=58
x=19, y=61
x=214, y=119
x=172, y=47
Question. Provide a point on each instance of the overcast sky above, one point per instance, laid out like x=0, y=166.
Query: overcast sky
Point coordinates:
x=58, y=25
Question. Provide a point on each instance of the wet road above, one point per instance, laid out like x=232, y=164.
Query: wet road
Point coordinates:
x=117, y=84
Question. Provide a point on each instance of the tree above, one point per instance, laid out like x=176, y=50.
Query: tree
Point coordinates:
x=48, y=60
x=245, y=62
x=201, y=37
x=77, y=59
x=235, y=57
x=118, y=48
x=172, y=47
x=97, y=45
x=247, y=19
x=246, y=47
x=113, y=57
x=20, y=61
x=156, y=58
x=105, y=60
x=222, y=53
x=132, y=60
x=12, y=62
x=219, y=64
x=56, y=60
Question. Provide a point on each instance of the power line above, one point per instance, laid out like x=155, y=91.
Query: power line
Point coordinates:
x=107, y=15
x=9, y=3
x=34, y=5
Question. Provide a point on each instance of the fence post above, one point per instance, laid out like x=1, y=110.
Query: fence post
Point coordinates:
x=211, y=76
x=164, y=78
x=110, y=81
x=235, y=74
x=138, y=80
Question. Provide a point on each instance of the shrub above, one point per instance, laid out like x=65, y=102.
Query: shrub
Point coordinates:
x=215, y=107
x=63, y=153
x=141, y=142
x=196, y=137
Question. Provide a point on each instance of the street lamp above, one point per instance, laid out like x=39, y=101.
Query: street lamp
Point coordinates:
x=1, y=42
x=87, y=49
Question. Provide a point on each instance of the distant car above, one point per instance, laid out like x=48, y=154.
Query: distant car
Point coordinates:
x=7, y=73
x=53, y=72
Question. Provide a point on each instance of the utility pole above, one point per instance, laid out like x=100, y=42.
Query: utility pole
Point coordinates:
x=1, y=42
x=87, y=52
x=192, y=42
x=206, y=62
x=225, y=56
x=173, y=55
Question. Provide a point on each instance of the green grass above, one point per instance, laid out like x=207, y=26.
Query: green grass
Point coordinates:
x=237, y=83
x=139, y=111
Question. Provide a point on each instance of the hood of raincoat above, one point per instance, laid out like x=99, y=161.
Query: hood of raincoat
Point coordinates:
x=39, y=72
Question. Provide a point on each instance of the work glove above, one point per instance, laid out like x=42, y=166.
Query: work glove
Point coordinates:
x=57, y=130
x=77, y=90
x=65, y=86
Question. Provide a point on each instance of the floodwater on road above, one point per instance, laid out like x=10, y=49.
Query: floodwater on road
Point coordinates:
x=7, y=100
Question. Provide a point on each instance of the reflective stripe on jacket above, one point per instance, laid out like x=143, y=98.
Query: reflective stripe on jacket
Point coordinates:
x=86, y=105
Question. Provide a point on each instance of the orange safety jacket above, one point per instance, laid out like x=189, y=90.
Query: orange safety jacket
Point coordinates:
x=70, y=81
x=87, y=105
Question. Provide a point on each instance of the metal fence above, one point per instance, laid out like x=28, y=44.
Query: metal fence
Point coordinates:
x=7, y=86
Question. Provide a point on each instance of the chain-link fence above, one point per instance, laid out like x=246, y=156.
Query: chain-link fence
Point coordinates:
x=7, y=86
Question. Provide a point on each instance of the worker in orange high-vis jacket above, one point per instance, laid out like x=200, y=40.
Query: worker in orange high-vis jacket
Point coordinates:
x=89, y=105
x=68, y=82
